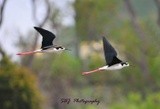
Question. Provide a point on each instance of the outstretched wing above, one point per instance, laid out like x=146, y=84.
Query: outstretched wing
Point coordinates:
x=48, y=37
x=109, y=52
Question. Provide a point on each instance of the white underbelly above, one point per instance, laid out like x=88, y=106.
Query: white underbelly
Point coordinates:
x=52, y=51
x=113, y=67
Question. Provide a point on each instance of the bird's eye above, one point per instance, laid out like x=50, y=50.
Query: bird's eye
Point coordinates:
x=124, y=64
x=58, y=48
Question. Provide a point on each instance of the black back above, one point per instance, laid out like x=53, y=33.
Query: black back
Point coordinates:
x=110, y=53
x=115, y=61
x=48, y=37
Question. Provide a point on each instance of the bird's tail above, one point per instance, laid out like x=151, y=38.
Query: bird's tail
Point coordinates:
x=89, y=72
x=28, y=53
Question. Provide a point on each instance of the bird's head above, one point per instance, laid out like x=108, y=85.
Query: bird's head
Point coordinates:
x=60, y=48
x=125, y=64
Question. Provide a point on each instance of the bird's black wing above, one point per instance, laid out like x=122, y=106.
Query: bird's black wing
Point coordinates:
x=48, y=37
x=109, y=53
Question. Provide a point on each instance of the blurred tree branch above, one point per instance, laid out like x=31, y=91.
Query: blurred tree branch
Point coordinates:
x=2, y=52
x=34, y=7
x=142, y=36
x=48, y=10
x=2, y=11
x=157, y=2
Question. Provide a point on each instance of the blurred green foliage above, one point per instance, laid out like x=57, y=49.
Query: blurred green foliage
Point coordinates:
x=136, y=101
x=18, y=87
x=66, y=64
x=60, y=74
x=92, y=17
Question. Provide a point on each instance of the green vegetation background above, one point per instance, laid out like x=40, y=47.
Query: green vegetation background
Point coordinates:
x=59, y=75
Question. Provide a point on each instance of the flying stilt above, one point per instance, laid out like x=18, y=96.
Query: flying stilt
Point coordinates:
x=47, y=43
x=113, y=63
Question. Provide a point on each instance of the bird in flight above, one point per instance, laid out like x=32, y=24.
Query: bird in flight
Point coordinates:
x=112, y=62
x=47, y=43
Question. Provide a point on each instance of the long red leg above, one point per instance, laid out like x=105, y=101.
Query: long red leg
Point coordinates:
x=27, y=53
x=89, y=72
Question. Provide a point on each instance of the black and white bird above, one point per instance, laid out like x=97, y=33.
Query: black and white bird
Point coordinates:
x=47, y=43
x=112, y=62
